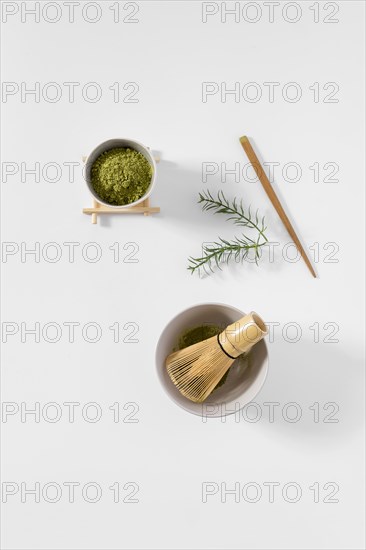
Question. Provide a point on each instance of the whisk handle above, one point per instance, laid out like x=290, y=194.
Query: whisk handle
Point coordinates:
x=240, y=336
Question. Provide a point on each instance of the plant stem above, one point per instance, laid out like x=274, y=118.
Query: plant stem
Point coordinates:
x=231, y=210
x=223, y=249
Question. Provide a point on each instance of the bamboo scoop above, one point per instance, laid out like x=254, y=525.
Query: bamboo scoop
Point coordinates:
x=274, y=199
x=196, y=370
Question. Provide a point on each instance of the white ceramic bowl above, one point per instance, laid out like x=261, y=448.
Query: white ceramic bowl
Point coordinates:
x=241, y=385
x=111, y=144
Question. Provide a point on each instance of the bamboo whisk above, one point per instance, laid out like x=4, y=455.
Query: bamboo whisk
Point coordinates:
x=198, y=369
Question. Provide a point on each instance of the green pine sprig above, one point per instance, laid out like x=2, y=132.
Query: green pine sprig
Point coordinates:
x=222, y=250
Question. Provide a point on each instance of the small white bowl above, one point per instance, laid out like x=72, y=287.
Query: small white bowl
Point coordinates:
x=241, y=385
x=111, y=144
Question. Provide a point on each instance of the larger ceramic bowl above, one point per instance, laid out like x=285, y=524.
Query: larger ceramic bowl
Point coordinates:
x=244, y=379
x=111, y=144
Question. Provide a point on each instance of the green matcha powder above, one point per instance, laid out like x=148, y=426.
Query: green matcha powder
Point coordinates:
x=121, y=176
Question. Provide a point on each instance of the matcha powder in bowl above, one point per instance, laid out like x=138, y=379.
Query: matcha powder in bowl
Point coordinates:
x=121, y=176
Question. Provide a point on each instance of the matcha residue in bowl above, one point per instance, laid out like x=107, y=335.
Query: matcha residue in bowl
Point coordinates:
x=121, y=176
x=198, y=334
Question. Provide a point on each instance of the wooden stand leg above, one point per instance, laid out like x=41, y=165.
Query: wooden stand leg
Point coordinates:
x=94, y=215
x=146, y=203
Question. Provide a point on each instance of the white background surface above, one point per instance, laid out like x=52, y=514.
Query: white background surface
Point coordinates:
x=168, y=452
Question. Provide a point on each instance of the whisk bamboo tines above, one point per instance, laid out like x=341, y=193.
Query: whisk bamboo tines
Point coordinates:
x=198, y=369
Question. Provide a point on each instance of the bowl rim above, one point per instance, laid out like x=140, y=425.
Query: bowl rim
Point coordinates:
x=131, y=141
x=200, y=412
